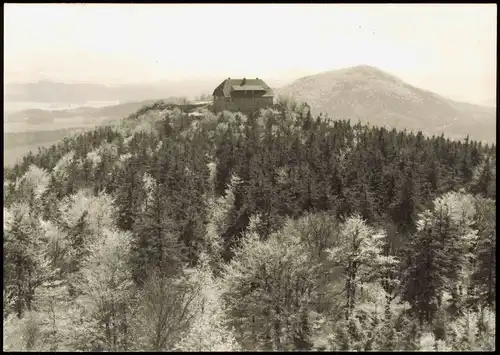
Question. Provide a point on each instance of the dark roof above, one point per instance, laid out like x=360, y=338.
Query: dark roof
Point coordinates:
x=247, y=87
x=229, y=85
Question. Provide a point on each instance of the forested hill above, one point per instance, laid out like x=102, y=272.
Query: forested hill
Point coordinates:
x=278, y=231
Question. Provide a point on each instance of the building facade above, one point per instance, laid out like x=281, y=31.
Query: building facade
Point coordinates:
x=243, y=95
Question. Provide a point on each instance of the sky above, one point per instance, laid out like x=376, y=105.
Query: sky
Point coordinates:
x=449, y=49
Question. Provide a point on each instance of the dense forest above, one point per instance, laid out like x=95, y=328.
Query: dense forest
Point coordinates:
x=270, y=231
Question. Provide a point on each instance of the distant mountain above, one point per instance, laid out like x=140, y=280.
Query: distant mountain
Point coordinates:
x=492, y=102
x=373, y=96
x=48, y=91
x=37, y=119
x=120, y=110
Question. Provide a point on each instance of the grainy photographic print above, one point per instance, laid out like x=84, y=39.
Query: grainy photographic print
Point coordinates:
x=238, y=177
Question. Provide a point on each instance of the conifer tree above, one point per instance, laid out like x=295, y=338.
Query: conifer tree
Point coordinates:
x=25, y=266
x=484, y=276
x=156, y=244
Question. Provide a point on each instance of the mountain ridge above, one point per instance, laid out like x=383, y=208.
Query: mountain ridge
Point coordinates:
x=376, y=97
x=364, y=93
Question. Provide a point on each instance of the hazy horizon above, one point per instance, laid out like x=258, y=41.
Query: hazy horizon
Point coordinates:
x=449, y=49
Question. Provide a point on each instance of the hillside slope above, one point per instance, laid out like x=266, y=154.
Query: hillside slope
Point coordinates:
x=168, y=223
x=373, y=96
x=28, y=130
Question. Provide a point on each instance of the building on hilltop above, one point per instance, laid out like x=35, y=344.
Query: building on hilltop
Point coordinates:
x=243, y=95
